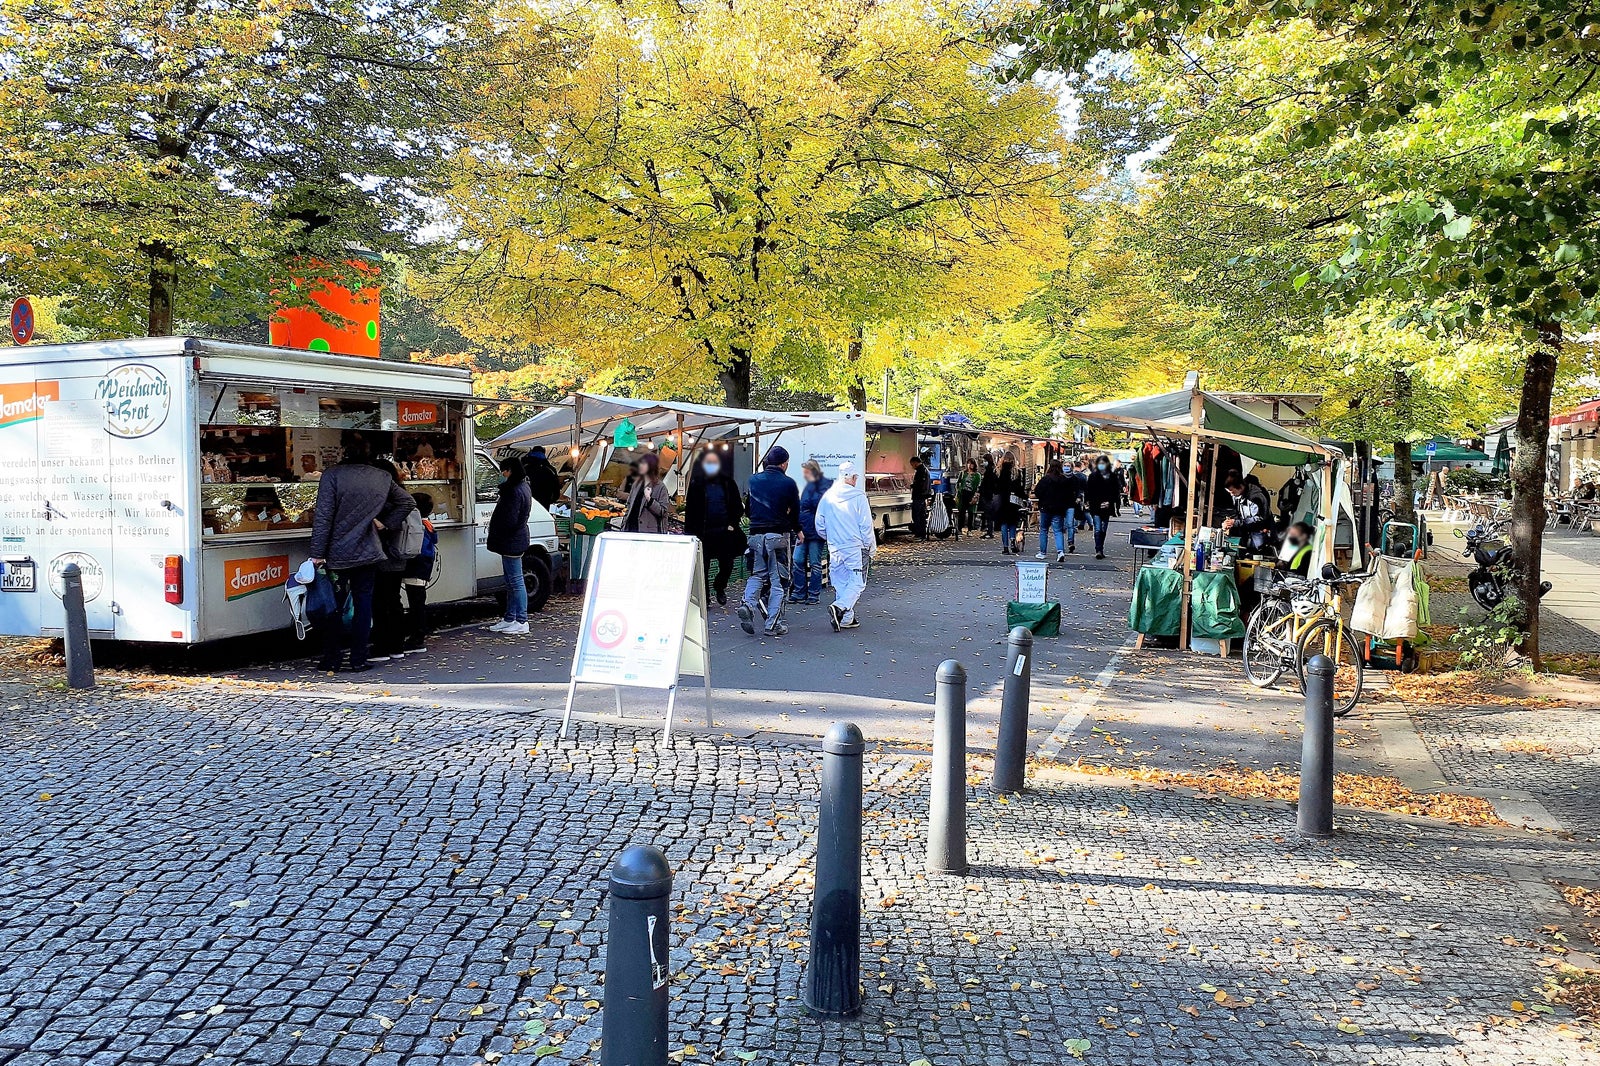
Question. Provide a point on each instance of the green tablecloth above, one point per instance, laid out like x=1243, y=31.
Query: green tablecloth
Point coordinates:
x=1157, y=602
x=1214, y=608
x=1157, y=606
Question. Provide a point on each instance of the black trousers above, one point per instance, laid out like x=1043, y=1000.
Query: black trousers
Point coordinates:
x=919, y=517
x=355, y=583
x=416, y=615
x=725, y=551
x=388, y=616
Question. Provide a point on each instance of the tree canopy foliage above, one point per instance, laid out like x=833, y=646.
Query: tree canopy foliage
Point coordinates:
x=692, y=189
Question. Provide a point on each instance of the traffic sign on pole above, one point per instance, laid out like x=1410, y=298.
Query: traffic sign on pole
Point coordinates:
x=22, y=320
x=1433, y=448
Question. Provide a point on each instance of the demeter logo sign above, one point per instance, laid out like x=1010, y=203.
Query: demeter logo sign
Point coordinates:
x=26, y=400
x=247, y=576
x=417, y=413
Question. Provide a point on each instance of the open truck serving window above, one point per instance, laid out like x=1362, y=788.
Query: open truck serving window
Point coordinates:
x=181, y=476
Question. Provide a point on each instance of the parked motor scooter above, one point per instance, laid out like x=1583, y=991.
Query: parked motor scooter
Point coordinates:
x=1489, y=583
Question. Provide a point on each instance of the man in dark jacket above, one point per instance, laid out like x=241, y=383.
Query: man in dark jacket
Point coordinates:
x=355, y=502
x=921, y=495
x=1101, y=493
x=774, y=520
x=1251, y=510
x=543, y=481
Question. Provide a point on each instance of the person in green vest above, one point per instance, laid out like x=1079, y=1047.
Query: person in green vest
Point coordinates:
x=1297, y=542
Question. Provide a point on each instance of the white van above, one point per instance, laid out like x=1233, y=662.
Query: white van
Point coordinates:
x=180, y=475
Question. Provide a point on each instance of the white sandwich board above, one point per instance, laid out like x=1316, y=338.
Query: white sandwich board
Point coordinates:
x=644, y=619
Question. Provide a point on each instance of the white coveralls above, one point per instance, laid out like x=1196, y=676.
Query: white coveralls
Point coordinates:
x=844, y=520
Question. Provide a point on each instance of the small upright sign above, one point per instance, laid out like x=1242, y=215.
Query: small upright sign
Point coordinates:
x=22, y=320
x=1433, y=448
x=1032, y=579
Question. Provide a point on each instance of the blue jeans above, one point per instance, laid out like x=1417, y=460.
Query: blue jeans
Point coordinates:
x=808, y=567
x=1062, y=524
x=1101, y=523
x=355, y=583
x=516, y=590
x=1008, y=533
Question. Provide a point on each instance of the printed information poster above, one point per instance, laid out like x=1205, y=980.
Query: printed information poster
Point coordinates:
x=644, y=621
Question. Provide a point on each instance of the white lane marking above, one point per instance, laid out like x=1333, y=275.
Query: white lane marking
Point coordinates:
x=1084, y=704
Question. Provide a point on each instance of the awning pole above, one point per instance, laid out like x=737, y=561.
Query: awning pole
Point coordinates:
x=1196, y=413
x=576, y=455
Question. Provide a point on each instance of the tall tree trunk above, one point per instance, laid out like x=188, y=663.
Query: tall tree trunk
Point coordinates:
x=1405, y=485
x=163, y=282
x=1528, y=479
x=857, y=387
x=734, y=377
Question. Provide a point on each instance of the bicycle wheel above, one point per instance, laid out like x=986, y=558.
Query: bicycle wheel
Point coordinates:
x=1325, y=637
x=1263, y=651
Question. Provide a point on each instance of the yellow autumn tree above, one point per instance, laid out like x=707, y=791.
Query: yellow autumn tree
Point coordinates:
x=689, y=190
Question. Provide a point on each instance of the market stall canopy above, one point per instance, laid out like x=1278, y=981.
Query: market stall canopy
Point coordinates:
x=1169, y=414
x=1446, y=451
x=1584, y=412
x=553, y=426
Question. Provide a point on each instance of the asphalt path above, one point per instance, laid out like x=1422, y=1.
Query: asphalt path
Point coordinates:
x=925, y=602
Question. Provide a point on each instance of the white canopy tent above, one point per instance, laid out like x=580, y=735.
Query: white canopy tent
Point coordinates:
x=585, y=421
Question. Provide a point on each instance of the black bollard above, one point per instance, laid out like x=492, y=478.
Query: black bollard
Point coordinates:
x=633, y=1027
x=80, y=660
x=947, y=807
x=1011, y=748
x=1316, y=751
x=833, y=976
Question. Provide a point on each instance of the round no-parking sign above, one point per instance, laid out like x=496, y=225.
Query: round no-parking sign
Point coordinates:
x=22, y=320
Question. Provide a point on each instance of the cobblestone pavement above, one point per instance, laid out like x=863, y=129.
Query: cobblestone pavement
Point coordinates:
x=1549, y=753
x=252, y=876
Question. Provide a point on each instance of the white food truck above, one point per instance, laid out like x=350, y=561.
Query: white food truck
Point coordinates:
x=881, y=446
x=181, y=476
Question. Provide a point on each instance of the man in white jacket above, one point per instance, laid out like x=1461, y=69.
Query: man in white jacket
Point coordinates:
x=844, y=522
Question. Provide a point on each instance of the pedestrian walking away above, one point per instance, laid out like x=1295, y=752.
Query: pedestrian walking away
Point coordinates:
x=712, y=512
x=419, y=572
x=1100, y=495
x=808, y=559
x=989, y=498
x=1012, y=500
x=508, y=538
x=967, y=498
x=844, y=520
x=649, y=506
x=921, y=496
x=355, y=502
x=774, y=508
x=544, y=484
x=1056, y=494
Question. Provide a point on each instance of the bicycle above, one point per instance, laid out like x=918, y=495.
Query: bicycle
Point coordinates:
x=1296, y=620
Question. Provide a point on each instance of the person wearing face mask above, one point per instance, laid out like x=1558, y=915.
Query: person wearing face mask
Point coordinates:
x=648, y=503
x=713, y=510
x=1252, y=511
x=808, y=559
x=1297, y=548
x=1100, y=495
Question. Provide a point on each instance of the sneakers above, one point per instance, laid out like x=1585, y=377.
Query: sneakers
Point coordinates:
x=1061, y=557
x=1040, y=555
x=515, y=629
x=777, y=630
x=1072, y=548
x=747, y=619
x=835, y=616
x=379, y=658
x=722, y=597
x=501, y=626
x=854, y=623
x=1099, y=555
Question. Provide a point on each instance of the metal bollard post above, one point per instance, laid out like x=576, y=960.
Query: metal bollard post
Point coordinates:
x=1316, y=751
x=1011, y=747
x=833, y=976
x=80, y=660
x=947, y=808
x=633, y=1027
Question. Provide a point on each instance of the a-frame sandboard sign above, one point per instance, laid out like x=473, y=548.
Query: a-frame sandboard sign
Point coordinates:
x=644, y=619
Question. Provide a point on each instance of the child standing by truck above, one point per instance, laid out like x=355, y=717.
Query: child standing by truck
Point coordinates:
x=419, y=572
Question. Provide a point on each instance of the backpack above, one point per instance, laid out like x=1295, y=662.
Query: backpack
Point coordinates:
x=406, y=542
